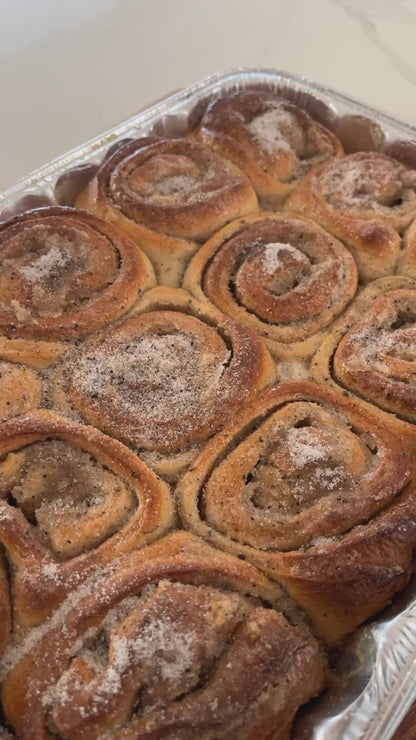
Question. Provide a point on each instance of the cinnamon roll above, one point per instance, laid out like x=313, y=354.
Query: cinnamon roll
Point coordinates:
x=372, y=351
x=64, y=274
x=167, y=378
x=273, y=141
x=319, y=494
x=284, y=277
x=71, y=499
x=168, y=195
x=162, y=647
x=365, y=199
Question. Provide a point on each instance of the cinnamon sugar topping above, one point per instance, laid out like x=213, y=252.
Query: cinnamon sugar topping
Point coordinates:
x=165, y=638
x=154, y=380
x=47, y=273
x=272, y=256
x=46, y=265
x=274, y=130
x=370, y=182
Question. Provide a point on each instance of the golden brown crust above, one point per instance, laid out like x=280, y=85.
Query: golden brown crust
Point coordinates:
x=65, y=274
x=365, y=199
x=35, y=354
x=169, y=377
x=370, y=352
x=316, y=492
x=20, y=390
x=273, y=141
x=22, y=386
x=71, y=500
x=4, y=605
x=284, y=277
x=168, y=194
x=185, y=626
x=407, y=260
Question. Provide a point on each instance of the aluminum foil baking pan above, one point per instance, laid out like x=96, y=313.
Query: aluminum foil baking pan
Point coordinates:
x=375, y=672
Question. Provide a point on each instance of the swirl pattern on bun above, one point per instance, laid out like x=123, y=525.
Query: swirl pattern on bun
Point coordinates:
x=168, y=195
x=64, y=274
x=367, y=200
x=272, y=140
x=316, y=492
x=169, y=377
x=284, y=277
x=371, y=352
x=71, y=499
x=163, y=647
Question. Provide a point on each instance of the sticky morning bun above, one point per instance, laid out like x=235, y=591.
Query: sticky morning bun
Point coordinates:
x=284, y=277
x=273, y=141
x=180, y=641
x=168, y=195
x=64, y=274
x=318, y=493
x=371, y=352
x=367, y=200
x=167, y=378
x=71, y=499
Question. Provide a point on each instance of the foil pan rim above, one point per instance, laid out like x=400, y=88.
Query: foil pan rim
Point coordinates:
x=150, y=114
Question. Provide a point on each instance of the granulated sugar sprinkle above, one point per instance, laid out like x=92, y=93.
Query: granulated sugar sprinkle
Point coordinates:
x=154, y=379
x=46, y=264
x=269, y=128
x=272, y=256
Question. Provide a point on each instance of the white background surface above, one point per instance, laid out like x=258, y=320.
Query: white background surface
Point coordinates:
x=70, y=69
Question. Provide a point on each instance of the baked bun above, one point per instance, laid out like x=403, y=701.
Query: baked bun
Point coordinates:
x=367, y=200
x=371, y=352
x=64, y=274
x=284, y=277
x=163, y=646
x=167, y=379
x=168, y=195
x=71, y=499
x=319, y=494
x=272, y=140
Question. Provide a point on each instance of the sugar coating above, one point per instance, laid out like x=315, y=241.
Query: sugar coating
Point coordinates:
x=369, y=183
x=157, y=380
x=272, y=256
x=47, y=263
x=273, y=130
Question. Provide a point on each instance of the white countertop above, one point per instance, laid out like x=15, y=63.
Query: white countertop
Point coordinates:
x=72, y=69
